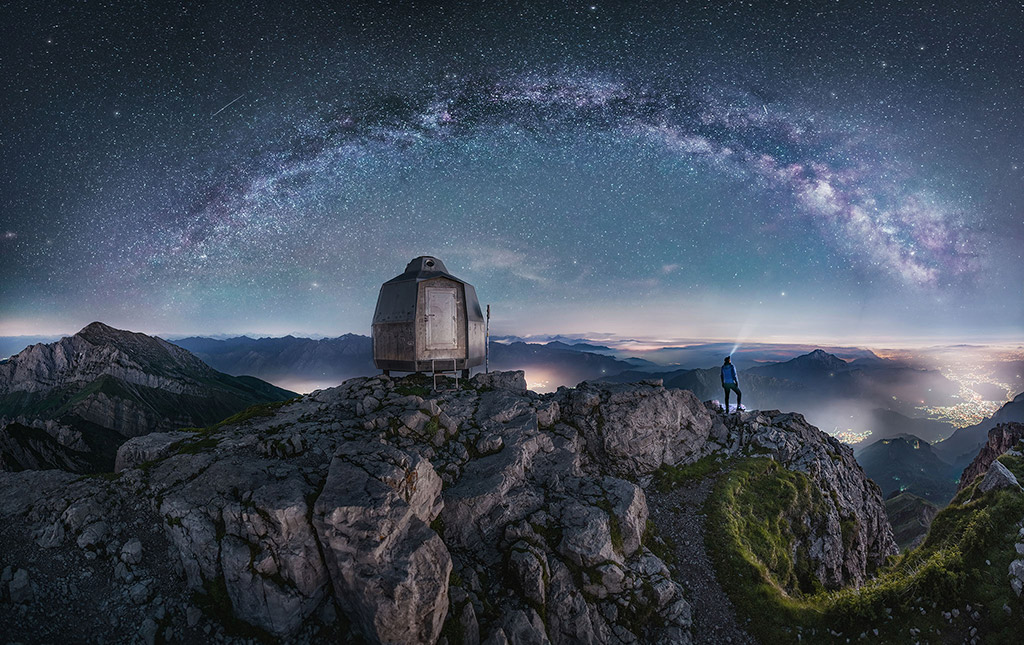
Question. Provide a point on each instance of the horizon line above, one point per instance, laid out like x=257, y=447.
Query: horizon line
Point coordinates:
x=640, y=343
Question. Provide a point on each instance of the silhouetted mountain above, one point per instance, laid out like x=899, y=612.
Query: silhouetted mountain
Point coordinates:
x=889, y=384
x=769, y=392
x=542, y=339
x=964, y=444
x=870, y=359
x=579, y=347
x=287, y=359
x=907, y=463
x=548, y=366
x=91, y=390
x=815, y=366
x=886, y=424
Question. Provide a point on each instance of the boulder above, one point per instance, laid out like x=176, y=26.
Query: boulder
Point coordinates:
x=1001, y=439
x=244, y=521
x=635, y=428
x=19, y=589
x=998, y=476
x=514, y=381
x=131, y=552
x=388, y=567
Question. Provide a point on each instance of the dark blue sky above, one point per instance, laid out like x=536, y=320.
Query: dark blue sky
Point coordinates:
x=831, y=171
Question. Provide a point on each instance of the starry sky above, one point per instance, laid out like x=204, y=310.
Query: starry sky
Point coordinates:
x=800, y=171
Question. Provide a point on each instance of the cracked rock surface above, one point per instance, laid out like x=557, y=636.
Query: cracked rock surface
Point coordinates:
x=490, y=514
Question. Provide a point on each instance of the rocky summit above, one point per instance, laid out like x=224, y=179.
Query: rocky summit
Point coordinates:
x=486, y=514
x=71, y=403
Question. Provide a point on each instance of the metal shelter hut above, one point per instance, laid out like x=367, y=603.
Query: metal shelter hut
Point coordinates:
x=427, y=320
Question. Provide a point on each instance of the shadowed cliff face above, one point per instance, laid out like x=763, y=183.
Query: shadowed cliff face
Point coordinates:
x=486, y=512
x=91, y=390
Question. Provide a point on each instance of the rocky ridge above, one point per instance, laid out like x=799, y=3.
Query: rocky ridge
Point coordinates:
x=488, y=514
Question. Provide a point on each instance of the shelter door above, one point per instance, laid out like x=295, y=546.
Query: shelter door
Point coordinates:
x=442, y=318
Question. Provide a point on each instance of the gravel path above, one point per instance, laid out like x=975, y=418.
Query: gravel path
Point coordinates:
x=679, y=515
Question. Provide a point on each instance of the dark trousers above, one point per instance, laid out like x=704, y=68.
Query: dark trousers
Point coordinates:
x=739, y=395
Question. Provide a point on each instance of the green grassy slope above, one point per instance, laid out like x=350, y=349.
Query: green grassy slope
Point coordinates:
x=963, y=561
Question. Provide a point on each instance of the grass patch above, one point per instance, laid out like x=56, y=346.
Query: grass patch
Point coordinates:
x=251, y=412
x=187, y=447
x=419, y=385
x=754, y=516
x=668, y=477
x=192, y=446
x=433, y=426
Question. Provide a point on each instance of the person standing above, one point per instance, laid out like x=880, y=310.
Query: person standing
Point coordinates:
x=730, y=382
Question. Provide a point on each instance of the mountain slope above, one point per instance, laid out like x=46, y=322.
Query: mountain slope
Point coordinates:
x=103, y=384
x=766, y=391
x=962, y=584
x=551, y=365
x=331, y=360
x=886, y=383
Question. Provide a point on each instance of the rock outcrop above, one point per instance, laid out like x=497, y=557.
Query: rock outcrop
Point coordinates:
x=1001, y=438
x=853, y=536
x=487, y=514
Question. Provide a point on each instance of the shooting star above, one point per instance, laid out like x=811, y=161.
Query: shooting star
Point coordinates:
x=763, y=106
x=228, y=105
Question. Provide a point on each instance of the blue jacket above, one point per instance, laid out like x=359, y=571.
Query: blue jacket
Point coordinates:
x=729, y=374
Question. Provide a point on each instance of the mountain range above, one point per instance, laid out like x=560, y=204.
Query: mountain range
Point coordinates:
x=288, y=360
x=862, y=392
x=381, y=509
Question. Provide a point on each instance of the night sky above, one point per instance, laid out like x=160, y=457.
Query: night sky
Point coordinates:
x=844, y=171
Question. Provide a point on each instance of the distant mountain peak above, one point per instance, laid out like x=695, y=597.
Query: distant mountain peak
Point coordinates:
x=100, y=333
x=96, y=327
x=822, y=355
